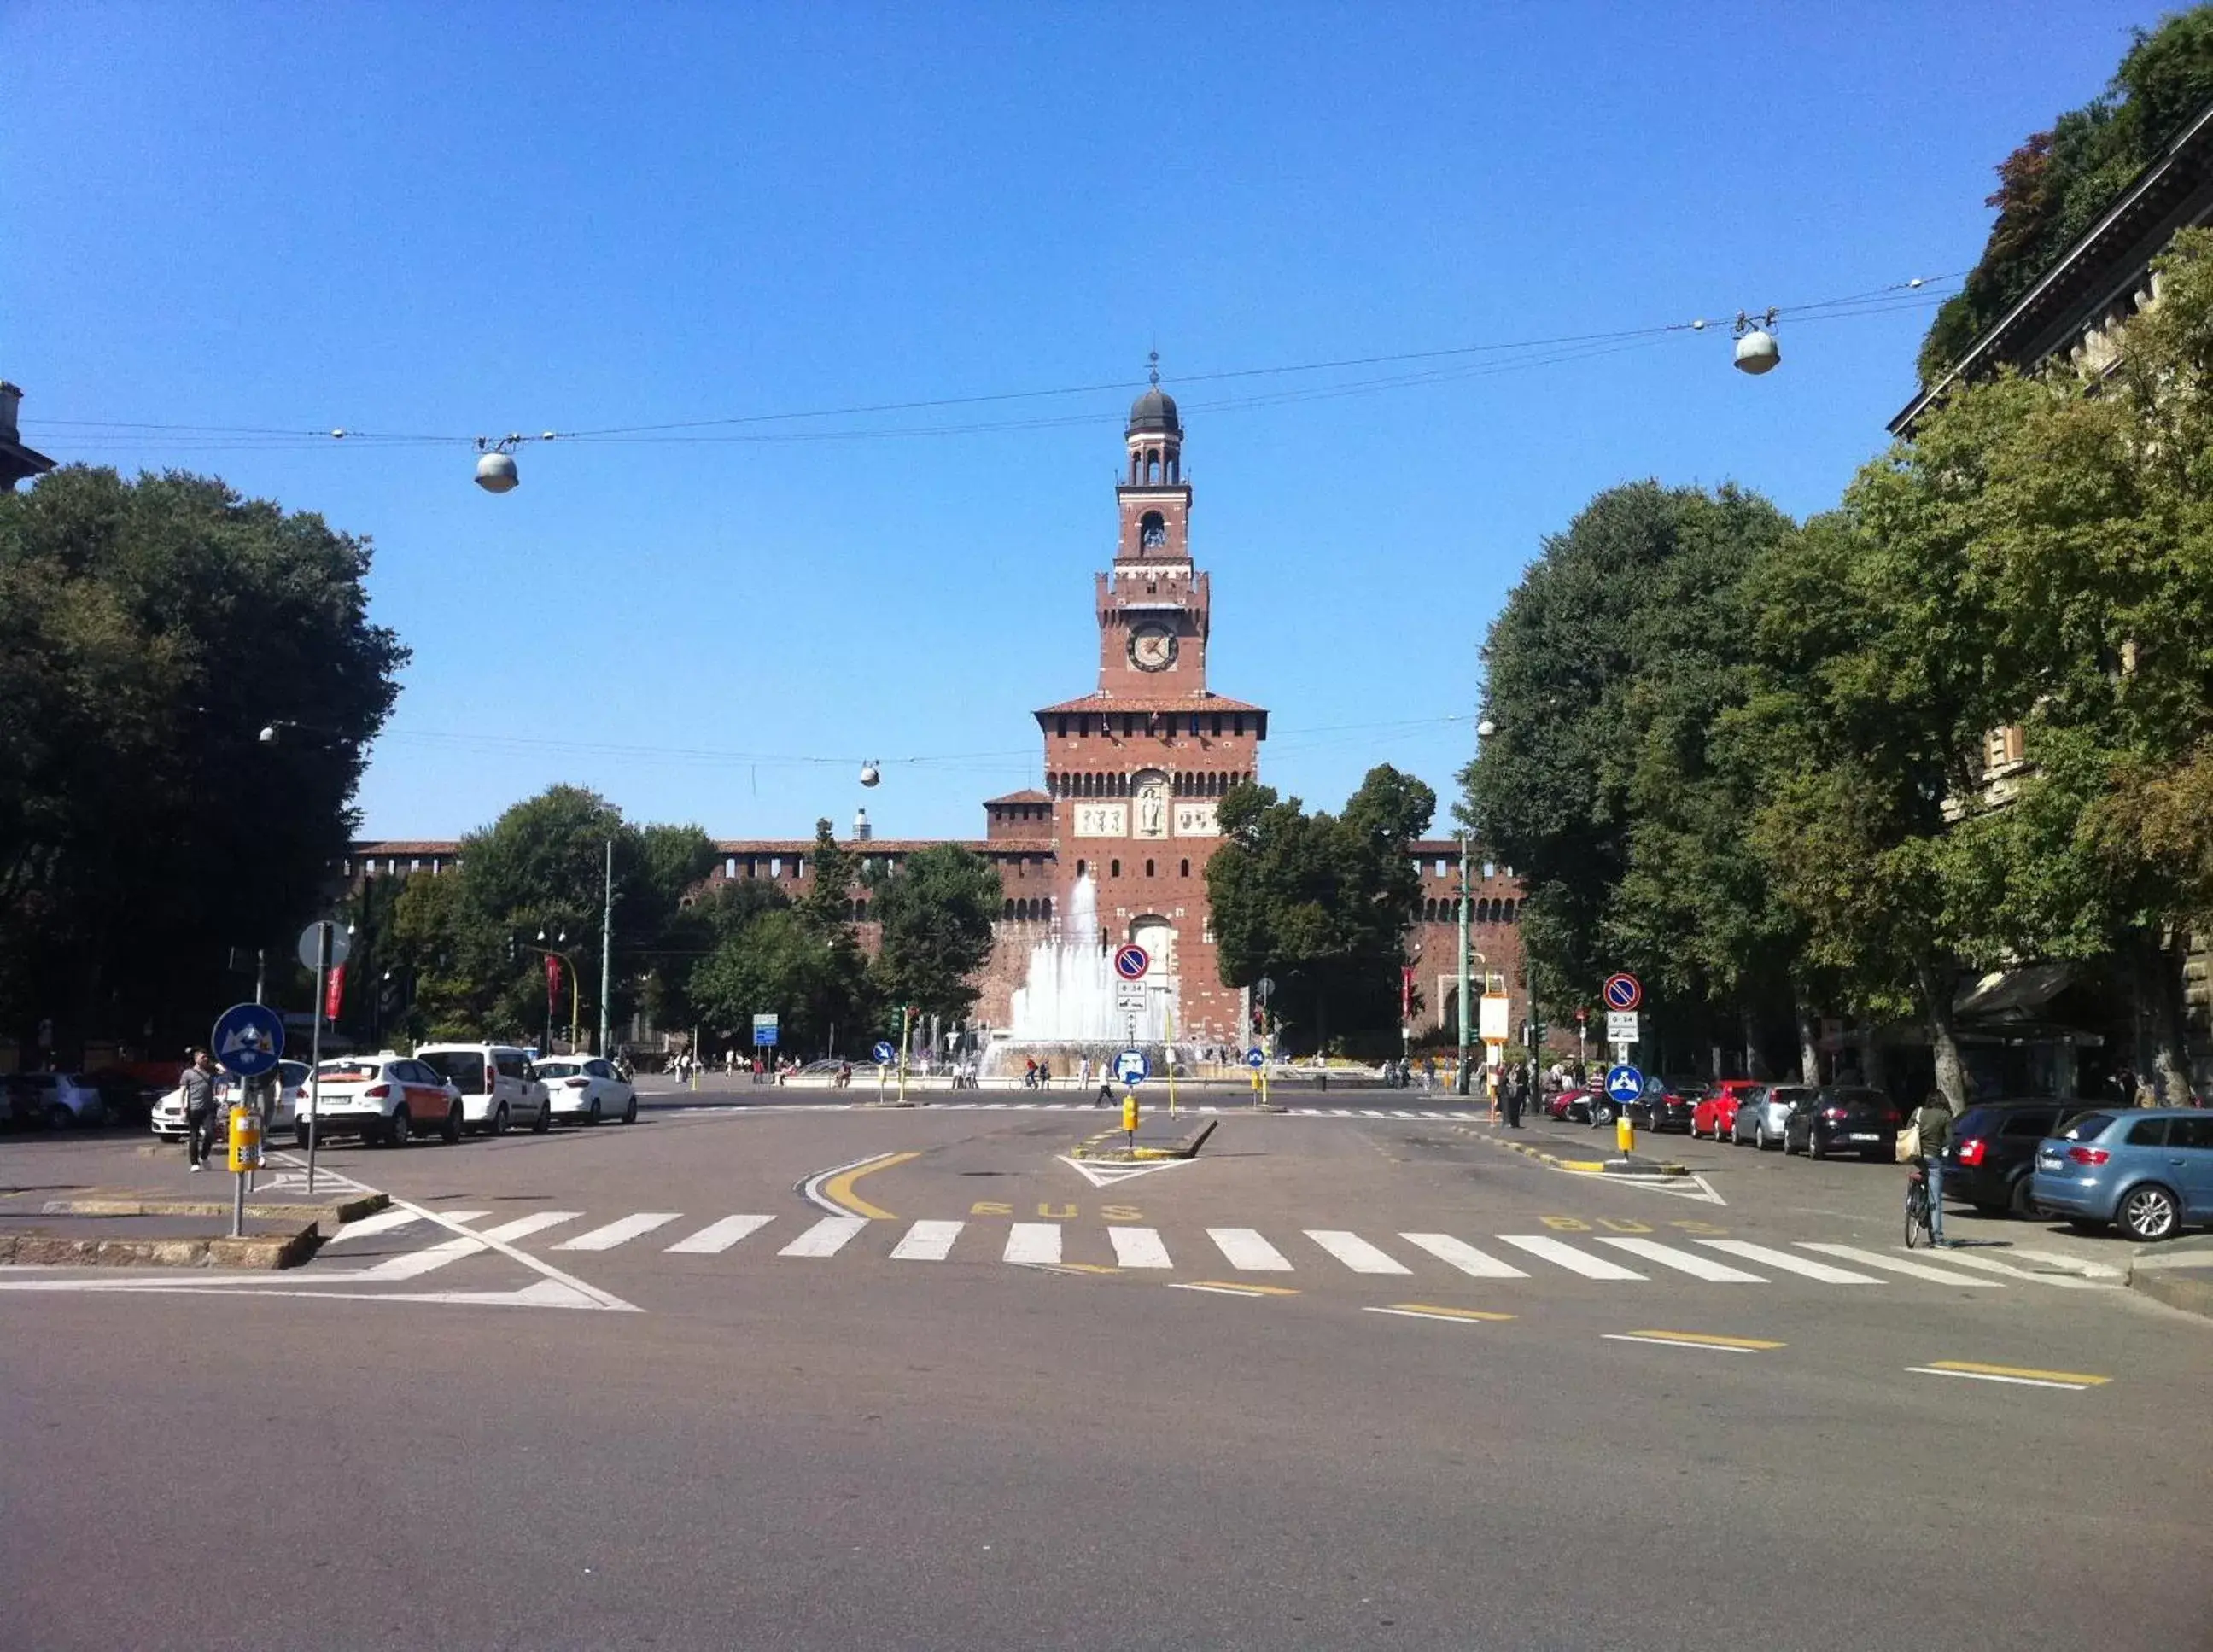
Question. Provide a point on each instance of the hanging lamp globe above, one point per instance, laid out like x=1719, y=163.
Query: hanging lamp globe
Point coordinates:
x=1757, y=352
x=495, y=471
x=870, y=773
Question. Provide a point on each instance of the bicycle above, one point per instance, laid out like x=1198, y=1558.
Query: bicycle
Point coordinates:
x=1918, y=1228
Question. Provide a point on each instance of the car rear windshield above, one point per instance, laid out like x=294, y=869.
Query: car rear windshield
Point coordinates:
x=2087, y=1128
x=345, y=1071
x=1860, y=1098
x=558, y=1069
x=1788, y=1093
x=464, y=1067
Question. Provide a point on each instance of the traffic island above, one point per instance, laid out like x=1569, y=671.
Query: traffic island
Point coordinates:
x=2181, y=1278
x=1628, y=1165
x=1160, y=1136
x=133, y=1202
x=157, y=1242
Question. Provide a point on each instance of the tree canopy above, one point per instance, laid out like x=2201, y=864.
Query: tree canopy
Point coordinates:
x=149, y=631
x=935, y=912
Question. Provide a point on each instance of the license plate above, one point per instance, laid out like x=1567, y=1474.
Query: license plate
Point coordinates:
x=1863, y=1135
x=2047, y=1161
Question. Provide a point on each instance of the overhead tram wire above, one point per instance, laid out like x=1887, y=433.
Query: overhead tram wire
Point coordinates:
x=1518, y=355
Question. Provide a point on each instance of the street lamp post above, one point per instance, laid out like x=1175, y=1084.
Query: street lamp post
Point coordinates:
x=1484, y=730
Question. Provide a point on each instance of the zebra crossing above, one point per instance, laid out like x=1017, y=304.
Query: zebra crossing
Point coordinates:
x=1598, y=1258
x=1202, y=1109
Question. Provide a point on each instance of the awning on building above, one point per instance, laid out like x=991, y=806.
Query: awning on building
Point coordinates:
x=2011, y=996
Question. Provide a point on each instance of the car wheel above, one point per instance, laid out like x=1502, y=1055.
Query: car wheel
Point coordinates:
x=395, y=1128
x=630, y=1112
x=2022, y=1199
x=1760, y=1141
x=593, y=1117
x=451, y=1132
x=1813, y=1145
x=499, y=1119
x=544, y=1121
x=2149, y=1214
x=1602, y=1115
x=300, y=1139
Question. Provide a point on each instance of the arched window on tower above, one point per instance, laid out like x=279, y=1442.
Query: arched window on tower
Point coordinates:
x=1152, y=532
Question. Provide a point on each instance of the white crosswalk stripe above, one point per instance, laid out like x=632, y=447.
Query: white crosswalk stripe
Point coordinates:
x=416, y=1263
x=619, y=1233
x=1459, y=1254
x=825, y=1238
x=1244, y=1248
x=1035, y=1243
x=1988, y=1265
x=719, y=1236
x=1899, y=1265
x=928, y=1242
x=1355, y=1252
x=1567, y=1256
x=1697, y=1267
x=383, y=1222
x=1138, y=1247
x=1784, y=1260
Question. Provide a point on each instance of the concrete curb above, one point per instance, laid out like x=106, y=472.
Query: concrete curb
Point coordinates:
x=1097, y=1148
x=2181, y=1278
x=349, y=1209
x=264, y=1250
x=1584, y=1166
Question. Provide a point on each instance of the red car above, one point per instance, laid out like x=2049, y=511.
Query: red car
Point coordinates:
x=1572, y=1105
x=1716, y=1113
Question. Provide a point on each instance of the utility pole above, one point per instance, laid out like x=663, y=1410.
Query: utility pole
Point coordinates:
x=606, y=943
x=1461, y=1072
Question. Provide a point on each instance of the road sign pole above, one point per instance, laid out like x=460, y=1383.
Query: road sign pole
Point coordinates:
x=1170, y=1054
x=906, y=1033
x=315, y=1048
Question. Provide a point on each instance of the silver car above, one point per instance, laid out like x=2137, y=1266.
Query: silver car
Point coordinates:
x=1760, y=1116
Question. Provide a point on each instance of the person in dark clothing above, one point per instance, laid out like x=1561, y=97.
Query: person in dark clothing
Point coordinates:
x=1516, y=1089
x=1934, y=1125
x=201, y=1120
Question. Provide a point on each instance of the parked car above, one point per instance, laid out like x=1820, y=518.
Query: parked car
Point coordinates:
x=1666, y=1104
x=384, y=1098
x=1572, y=1105
x=1993, y=1149
x=1841, y=1119
x=1716, y=1113
x=168, y=1119
x=496, y=1085
x=2147, y=1170
x=585, y=1089
x=59, y=1100
x=1760, y=1116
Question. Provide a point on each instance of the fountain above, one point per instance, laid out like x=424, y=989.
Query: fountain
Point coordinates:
x=1068, y=1006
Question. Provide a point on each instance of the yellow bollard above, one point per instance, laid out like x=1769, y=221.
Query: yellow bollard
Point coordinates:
x=1130, y=1117
x=245, y=1140
x=1624, y=1133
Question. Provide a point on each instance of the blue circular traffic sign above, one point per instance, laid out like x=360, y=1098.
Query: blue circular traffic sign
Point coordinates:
x=1256, y=1057
x=1131, y=961
x=1624, y=1084
x=1623, y=992
x=247, y=1039
x=1131, y=1068
x=884, y=1050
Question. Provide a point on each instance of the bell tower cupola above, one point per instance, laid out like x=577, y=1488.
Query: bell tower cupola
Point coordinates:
x=1156, y=500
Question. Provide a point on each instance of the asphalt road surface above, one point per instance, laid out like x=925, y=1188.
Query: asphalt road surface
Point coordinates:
x=761, y=1371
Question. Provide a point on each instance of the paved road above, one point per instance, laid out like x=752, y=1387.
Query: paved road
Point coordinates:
x=801, y=1375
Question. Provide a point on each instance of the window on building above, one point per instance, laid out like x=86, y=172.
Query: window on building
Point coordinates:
x=1442, y=870
x=775, y=866
x=1113, y=869
x=1079, y=869
x=1186, y=870
x=1237, y=722
x=1062, y=727
x=1149, y=868
x=1217, y=725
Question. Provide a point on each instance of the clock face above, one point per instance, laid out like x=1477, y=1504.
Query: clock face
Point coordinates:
x=1152, y=648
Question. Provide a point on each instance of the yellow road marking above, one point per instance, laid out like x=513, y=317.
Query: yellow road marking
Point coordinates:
x=1970, y=1368
x=1231, y=1288
x=1089, y=1267
x=1696, y=1339
x=1431, y=1311
x=839, y=1190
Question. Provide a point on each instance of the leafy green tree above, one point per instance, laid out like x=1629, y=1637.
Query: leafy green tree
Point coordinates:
x=150, y=630
x=1320, y=903
x=935, y=913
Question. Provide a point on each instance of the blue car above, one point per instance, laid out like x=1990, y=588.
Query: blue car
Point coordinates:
x=2147, y=1170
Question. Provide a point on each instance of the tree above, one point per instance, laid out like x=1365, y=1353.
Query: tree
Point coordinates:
x=935, y=913
x=149, y=631
x=1320, y=903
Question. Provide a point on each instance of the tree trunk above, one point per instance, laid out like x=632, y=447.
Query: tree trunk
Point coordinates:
x=1937, y=988
x=1755, y=1064
x=1809, y=1038
x=2155, y=994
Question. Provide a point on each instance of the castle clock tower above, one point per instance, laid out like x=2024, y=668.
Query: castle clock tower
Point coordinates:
x=1135, y=769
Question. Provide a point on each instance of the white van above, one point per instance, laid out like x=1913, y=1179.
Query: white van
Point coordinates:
x=498, y=1087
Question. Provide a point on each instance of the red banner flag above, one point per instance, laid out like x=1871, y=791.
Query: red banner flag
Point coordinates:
x=1405, y=994
x=333, y=992
x=552, y=983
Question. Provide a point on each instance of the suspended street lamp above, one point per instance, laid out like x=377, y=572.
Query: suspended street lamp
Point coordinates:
x=1757, y=352
x=495, y=471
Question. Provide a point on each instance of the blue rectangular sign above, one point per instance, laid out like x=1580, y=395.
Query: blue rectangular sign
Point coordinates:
x=764, y=1036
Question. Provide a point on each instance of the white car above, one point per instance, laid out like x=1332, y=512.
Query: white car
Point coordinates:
x=498, y=1087
x=168, y=1119
x=62, y=1100
x=586, y=1090
x=385, y=1098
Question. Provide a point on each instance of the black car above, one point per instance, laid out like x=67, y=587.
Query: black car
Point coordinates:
x=1841, y=1119
x=1993, y=1149
x=1666, y=1104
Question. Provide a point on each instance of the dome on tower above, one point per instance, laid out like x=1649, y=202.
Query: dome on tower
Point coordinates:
x=1154, y=410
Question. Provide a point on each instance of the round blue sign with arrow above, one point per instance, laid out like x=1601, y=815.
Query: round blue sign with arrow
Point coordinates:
x=247, y=1039
x=1624, y=1084
x=1131, y=962
x=1256, y=1057
x=1131, y=1068
x=884, y=1052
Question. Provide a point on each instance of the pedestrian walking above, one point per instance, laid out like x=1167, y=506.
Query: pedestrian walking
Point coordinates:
x=1932, y=1127
x=1517, y=1094
x=1083, y=1073
x=1491, y=1090
x=1044, y=1072
x=198, y=1083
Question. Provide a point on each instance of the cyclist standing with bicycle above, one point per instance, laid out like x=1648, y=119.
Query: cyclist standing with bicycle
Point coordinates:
x=1933, y=1124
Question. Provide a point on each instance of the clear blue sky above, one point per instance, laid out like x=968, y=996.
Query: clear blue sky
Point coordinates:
x=426, y=220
